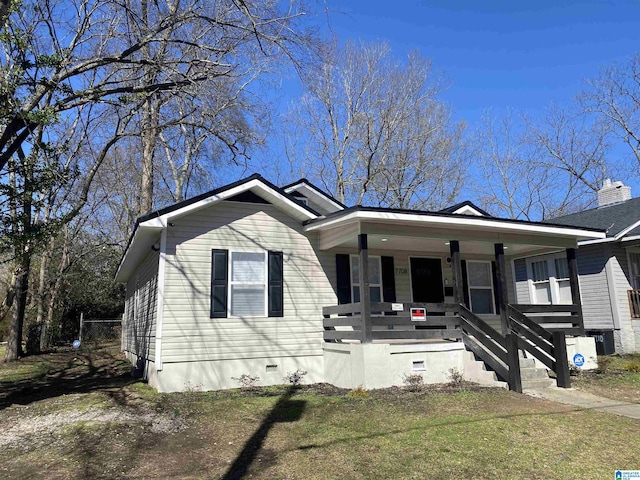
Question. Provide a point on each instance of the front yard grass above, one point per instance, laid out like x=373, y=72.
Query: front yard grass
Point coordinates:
x=127, y=430
x=617, y=377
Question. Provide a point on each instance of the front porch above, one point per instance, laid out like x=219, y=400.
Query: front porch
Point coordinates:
x=436, y=314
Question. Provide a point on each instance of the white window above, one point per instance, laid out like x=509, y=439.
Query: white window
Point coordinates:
x=549, y=280
x=480, y=282
x=247, y=284
x=541, y=282
x=375, y=279
x=634, y=261
x=562, y=280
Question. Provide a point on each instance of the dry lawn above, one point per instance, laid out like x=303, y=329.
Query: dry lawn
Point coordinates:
x=79, y=415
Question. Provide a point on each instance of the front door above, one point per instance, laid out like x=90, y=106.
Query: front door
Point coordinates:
x=426, y=280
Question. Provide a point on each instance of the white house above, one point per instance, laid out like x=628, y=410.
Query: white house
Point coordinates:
x=252, y=278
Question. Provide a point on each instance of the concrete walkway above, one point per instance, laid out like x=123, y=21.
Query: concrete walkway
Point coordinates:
x=586, y=401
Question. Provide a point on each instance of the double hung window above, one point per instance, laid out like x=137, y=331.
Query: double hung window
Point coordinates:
x=247, y=284
x=375, y=279
x=480, y=282
x=634, y=265
x=549, y=278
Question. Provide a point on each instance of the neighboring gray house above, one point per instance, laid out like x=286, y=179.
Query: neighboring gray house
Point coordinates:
x=252, y=278
x=609, y=271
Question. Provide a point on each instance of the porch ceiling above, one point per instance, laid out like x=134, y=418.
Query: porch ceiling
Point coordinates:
x=434, y=237
x=440, y=245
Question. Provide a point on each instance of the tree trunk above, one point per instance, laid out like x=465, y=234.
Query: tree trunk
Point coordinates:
x=41, y=296
x=21, y=286
x=149, y=136
x=149, y=123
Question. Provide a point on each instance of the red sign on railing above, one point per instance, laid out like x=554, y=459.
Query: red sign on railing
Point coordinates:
x=419, y=314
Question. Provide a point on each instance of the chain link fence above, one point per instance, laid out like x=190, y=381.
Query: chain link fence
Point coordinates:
x=100, y=330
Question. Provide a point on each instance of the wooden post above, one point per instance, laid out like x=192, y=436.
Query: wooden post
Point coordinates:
x=81, y=326
x=365, y=293
x=456, y=267
x=563, y=378
x=501, y=287
x=515, y=382
x=575, y=287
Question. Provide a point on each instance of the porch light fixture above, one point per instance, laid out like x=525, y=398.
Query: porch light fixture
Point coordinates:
x=384, y=239
x=447, y=243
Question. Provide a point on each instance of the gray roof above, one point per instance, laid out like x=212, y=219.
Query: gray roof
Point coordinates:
x=614, y=218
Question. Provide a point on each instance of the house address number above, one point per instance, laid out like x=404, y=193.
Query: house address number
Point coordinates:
x=402, y=271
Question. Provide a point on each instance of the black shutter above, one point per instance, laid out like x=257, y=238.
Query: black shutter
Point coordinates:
x=465, y=283
x=496, y=293
x=276, y=285
x=343, y=277
x=388, y=280
x=219, y=283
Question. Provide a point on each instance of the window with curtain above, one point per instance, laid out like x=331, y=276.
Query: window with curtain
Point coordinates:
x=247, y=284
x=375, y=279
x=480, y=283
x=562, y=280
x=550, y=280
x=541, y=282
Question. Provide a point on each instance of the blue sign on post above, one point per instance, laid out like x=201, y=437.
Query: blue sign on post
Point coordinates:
x=578, y=360
x=76, y=344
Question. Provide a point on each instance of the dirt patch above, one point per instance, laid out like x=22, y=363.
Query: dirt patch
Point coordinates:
x=23, y=431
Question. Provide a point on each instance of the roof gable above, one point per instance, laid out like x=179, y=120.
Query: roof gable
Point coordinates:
x=254, y=189
x=321, y=198
x=466, y=208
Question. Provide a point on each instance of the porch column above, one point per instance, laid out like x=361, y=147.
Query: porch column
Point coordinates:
x=501, y=287
x=365, y=293
x=456, y=267
x=575, y=286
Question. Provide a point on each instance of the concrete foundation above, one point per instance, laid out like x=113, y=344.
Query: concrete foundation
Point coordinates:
x=385, y=365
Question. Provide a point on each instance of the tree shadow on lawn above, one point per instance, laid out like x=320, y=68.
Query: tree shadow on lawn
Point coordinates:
x=285, y=410
x=71, y=372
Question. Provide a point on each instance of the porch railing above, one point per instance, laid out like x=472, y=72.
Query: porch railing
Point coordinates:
x=634, y=302
x=494, y=349
x=563, y=318
x=445, y=324
x=543, y=336
x=550, y=347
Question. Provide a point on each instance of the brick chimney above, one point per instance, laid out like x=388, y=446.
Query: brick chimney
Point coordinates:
x=614, y=192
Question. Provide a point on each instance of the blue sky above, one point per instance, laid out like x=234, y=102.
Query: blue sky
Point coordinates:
x=499, y=54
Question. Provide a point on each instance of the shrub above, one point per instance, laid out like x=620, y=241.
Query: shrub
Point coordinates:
x=633, y=367
x=413, y=382
x=246, y=381
x=603, y=364
x=358, y=392
x=455, y=376
x=295, y=378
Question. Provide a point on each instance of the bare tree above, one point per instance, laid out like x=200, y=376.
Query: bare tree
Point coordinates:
x=614, y=97
x=82, y=60
x=361, y=121
x=539, y=169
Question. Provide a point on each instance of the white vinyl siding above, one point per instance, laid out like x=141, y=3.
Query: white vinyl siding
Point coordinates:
x=140, y=309
x=521, y=281
x=188, y=332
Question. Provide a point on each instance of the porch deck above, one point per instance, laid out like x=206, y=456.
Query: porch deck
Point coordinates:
x=450, y=326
